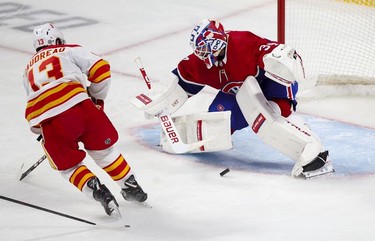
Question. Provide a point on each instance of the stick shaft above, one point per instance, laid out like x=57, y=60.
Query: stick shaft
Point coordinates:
x=46, y=210
x=143, y=72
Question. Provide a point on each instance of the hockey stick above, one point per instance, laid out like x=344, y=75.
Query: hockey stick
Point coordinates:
x=46, y=210
x=143, y=72
x=167, y=124
x=27, y=172
x=54, y=212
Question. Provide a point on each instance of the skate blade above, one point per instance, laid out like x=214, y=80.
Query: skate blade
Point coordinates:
x=327, y=169
x=115, y=211
x=144, y=204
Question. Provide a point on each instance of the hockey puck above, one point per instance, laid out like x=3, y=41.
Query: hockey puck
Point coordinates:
x=224, y=172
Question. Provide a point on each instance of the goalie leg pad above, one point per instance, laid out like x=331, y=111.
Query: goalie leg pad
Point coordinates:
x=291, y=139
x=213, y=126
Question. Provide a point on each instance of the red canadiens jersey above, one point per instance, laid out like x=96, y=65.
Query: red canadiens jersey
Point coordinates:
x=55, y=80
x=244, y=57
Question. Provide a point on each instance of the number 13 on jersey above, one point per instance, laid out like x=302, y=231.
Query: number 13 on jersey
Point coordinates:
x=47, y=71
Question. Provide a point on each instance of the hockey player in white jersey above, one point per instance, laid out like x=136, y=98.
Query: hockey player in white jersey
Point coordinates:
x=236, y=79
x=66, y=113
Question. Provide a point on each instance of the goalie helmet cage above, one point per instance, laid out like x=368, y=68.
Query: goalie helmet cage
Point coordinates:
x=336, y=40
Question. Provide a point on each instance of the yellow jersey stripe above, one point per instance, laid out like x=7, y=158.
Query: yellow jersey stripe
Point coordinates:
x=55, y=103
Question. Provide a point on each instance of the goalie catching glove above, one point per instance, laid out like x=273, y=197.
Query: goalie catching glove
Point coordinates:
x=283, y=65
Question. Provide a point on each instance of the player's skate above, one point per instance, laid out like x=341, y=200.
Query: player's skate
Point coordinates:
x=132, y=191
x=321, y=165
x=102, y=194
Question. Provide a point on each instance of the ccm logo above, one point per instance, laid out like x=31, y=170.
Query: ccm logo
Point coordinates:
x=258, y=122
x=168, y=127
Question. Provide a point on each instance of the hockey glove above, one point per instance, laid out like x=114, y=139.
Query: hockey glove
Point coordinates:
x=98, y=103
x=283, y=65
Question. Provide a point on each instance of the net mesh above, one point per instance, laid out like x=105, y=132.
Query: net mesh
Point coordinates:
x=336, y=39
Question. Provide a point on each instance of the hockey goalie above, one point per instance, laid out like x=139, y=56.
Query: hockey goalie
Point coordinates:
x=234, y=80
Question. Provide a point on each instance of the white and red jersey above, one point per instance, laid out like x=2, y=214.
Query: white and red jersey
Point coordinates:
x=55, y=80
x=244, y=57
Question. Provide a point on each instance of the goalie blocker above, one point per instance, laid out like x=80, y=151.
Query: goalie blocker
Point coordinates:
x=290, y=137
x=192, y=128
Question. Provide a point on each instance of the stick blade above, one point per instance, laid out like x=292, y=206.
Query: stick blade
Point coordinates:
x=182, y=148
x=22, y=176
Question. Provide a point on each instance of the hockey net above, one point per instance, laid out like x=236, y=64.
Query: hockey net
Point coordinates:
x=336, y=40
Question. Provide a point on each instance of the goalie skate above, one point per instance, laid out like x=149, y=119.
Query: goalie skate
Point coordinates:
x=326, y=169
x=319, y=166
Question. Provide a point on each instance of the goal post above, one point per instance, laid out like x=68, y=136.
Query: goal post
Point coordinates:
x=281, y=21
x=336, y=40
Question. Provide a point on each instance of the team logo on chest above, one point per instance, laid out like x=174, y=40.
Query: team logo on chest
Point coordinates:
x=220, y=107
x=232, y=87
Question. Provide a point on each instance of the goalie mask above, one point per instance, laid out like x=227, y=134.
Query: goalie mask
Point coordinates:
x=46, y=35
x=208, y=40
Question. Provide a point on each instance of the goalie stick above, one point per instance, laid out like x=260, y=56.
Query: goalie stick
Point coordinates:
x=167, y=124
